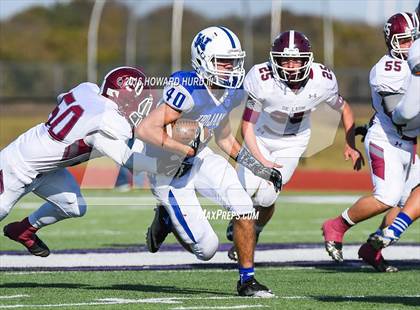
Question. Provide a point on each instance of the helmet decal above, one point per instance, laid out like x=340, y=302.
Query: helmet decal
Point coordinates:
x=217, y=57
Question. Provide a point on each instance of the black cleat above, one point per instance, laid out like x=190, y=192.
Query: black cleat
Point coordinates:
x=159, y=230
x=252, y=288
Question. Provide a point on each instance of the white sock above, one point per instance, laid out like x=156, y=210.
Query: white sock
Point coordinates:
x=345, y=216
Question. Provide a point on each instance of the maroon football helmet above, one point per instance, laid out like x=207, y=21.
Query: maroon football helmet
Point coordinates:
x=400, y=27
x=288, y=45
x=126, y=87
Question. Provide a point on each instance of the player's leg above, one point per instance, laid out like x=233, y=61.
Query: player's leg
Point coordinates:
x=218, y=181
x=391, y=231
x=186, y=218
x=64, y=200
x=13, y=184
x=262, y=193
x=388, y=176
x=369, y=252
x=409, y=214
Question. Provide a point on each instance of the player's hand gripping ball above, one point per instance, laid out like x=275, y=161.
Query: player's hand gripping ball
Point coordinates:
x=189, y=132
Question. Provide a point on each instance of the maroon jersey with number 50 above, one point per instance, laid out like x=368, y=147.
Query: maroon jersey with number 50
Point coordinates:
x=63, y=140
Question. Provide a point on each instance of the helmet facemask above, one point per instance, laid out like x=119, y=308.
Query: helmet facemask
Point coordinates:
x=402, y=52
x=401, y=28
x=143, y=110
x=226, y=78
x=287, y=74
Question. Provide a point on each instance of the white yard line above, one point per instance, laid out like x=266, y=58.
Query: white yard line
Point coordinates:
x=148, y=202
x=13, y=296
x=121, y=301
x=220, y=307
x=179, y=300
x=181, y=258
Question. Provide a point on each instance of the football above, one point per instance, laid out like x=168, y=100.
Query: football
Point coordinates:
x=186, y=130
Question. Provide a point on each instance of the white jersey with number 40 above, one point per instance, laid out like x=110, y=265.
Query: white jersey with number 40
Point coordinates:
x=283, y=110
x=82, y=120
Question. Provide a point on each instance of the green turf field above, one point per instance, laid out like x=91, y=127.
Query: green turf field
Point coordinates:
x=121, y=219
x=108, y=225
x=211, y=289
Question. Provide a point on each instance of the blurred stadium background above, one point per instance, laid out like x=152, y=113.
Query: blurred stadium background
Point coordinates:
x=48, y=46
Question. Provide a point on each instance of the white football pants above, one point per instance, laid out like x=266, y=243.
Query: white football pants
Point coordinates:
x=285, y=151
x=213, y=178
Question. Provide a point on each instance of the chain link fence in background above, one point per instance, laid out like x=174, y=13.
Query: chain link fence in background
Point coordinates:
x=44, y=81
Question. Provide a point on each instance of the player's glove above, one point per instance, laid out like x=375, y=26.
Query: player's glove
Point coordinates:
x=245, y=158
x=361, y=131
x=174, y=166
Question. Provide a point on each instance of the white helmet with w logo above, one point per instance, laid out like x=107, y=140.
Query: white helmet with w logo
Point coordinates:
x=217, y=56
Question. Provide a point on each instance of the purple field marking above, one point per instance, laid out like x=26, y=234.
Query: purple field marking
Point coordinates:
x=319, y=264
x=176, y=248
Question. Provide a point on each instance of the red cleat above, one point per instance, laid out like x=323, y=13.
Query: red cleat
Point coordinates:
x=333, y=231
x=24, y=233
x=374, y=258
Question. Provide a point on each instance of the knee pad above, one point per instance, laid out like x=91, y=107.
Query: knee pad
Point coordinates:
x=238, y=201
x=265, y=196
x=72, y=205
x=206, y=247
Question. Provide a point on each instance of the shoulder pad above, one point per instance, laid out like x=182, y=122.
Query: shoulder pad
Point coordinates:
x=323, y=74
x=253, y=80
x=178, y=92
x=389, y=75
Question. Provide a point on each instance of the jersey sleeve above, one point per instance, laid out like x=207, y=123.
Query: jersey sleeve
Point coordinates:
x=409, y=107
x=177, y=93
x=414, y=58
x=253, y=106
x=115, y=126
x=333, y=98
x=251, y=85
x=119, y=151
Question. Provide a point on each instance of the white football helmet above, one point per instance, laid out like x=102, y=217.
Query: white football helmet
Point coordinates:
x=214, y=46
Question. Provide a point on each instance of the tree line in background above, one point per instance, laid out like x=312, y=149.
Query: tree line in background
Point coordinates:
x=48, y=45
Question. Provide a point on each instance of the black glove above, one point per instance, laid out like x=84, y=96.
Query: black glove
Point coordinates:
x=361, y=131
x=195, y=144
x=245, y=158
x=277, y=179
x=174, y=166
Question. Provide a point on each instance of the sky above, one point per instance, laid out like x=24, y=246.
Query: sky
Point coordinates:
x=372, y=11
